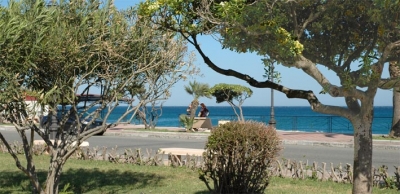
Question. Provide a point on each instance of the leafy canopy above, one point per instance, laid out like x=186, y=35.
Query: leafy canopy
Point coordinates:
x=228, y=92
x=197, y=89
x=183, y=16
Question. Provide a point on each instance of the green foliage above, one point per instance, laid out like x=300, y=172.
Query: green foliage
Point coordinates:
x=228, y=92
x=186, y=121
x=53, y=52
x=270, y=73
x=238, y=156
x=182, y=16
x=388, y=182
x=66, y=189
x=179, y=14
x=314, y=175
x=40, y=46
x=197, y=89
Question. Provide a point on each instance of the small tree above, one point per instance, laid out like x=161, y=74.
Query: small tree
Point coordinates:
x=197, y=90
x=230, y=92
x=186, y=121
x=238, y=157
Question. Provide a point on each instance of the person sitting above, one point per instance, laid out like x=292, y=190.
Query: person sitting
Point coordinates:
x=203, y=111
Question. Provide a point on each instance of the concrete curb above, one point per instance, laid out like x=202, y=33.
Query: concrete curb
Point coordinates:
x=316, y=143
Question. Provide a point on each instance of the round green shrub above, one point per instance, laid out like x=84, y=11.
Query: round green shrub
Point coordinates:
x=238, y=156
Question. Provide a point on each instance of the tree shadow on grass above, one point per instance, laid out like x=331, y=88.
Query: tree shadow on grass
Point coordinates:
x=83, y=180
x=203, y=192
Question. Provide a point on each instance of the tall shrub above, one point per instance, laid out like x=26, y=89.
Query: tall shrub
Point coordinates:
x=238, y=156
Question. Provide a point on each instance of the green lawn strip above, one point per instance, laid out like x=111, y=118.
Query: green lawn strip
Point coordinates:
x=384, y=137
x=6, y=124
x=81, y=176
x=296, y=186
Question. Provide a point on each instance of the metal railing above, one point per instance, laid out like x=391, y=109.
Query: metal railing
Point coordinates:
x=326, y=124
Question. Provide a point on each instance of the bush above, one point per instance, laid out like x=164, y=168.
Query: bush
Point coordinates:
x=186, y=121
x=238, y=157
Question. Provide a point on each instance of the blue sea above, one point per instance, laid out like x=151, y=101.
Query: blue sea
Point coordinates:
x=290, y=118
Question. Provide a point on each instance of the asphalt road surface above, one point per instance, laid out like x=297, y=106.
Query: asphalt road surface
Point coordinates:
x=303, y=153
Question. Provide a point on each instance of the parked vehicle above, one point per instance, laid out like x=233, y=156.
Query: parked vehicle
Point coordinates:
x=71, y=123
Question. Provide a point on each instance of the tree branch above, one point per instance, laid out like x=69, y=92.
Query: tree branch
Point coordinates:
x=315, y=104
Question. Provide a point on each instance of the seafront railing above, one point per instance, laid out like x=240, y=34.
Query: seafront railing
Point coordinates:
x=326, y=124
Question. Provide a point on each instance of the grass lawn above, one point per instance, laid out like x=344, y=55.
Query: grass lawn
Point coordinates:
x=384, y=137
x=103, y=177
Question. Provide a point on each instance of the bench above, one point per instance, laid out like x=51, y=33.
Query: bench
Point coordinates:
x=175, y=154
x=202, y=122
x=221, y=122
x=42, y=142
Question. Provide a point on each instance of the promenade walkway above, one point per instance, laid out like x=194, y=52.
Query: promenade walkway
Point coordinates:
x=288, y=137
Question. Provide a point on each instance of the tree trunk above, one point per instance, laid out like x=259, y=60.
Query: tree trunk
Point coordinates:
x=395, y=129
x=362, y=176
x=238, y=115
x=143, y=116
x=394, y=71
x=53, y=177
x=193, y=108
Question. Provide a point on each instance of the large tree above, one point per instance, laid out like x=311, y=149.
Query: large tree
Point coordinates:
x=353, y=39
x=54, y=52
x=389, y=21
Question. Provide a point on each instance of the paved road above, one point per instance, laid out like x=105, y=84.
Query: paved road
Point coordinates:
x=303, y=153
x=294, y=152
x=153, y=143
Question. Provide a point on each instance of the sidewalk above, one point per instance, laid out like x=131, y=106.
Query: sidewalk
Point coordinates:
x=288, y=137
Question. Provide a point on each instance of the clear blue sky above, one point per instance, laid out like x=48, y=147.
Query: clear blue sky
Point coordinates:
x=251, y=65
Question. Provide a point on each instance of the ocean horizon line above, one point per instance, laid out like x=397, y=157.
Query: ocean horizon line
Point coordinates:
x=244, y=106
